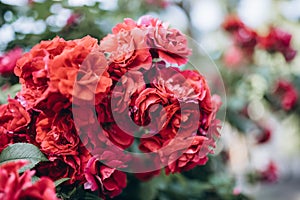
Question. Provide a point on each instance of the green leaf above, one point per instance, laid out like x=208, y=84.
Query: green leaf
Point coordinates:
x=35, y=179
x=60, y=181
x=22, y=151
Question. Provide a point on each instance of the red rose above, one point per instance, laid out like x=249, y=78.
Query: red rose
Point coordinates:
x=178, y=154
x=185, y=129
x=270, y=174
x=14, y=120
x=51, y=67
x=43, y=189
x=70, y=166
x=189, y=158
x=130, y=83
x=5, y=139
x=127, y=50
x=108, y=181
x=14, y=187
x=287, y=93
x=92, y=78
x=32, y=68
x=13, y=117
x=118, y=136
x=232, y=23
x=264, y=136
x=73, y=19
x=57, y=135
x=169, y=44
x=183, y=92
x=278, y=41
x=8, y=61
x=244, y=37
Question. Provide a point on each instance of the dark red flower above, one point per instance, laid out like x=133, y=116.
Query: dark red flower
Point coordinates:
x=243, y=36
x=246, y=39
x=189, y=158
x=14, y=120
x=5, y=139
x=232, y=23
x=264, y=136
x=108, y=181
x=165, y=43
x=69, y=166
x=270, y=174
x=278, y=40
x=8, y=61
x=14, y=186
x=73, y=19
x=178, y=154
x=118, y=136
x=287, y=94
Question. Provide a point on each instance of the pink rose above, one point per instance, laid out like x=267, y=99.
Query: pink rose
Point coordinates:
x=8, y=61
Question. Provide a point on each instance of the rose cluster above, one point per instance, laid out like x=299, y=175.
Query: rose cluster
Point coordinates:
x=83, y=105
x=247, y=39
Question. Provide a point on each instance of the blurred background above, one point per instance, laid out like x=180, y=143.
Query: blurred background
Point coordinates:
x=254, y=44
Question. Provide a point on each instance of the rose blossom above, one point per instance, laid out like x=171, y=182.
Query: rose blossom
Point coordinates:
x=269, y=174
x=244, y=37
x=9, y=60
x=264, y=136
x=232, y=23
x=13, y=117
x=57, y=134
x=169, y=44
x=14, y=120
x=287, y=94
x=278, y=40
x=127, y=49
x=186, y=121
x=68, y=166
x=52, y=66
x=14, y=186
x=175, y=90
x=108, y=181
x=73, y=19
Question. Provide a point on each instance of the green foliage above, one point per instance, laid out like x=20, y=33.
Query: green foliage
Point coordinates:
x=60, y=181
x=22, y=151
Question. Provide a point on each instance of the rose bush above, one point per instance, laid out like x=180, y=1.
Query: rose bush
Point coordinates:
x=83, y=103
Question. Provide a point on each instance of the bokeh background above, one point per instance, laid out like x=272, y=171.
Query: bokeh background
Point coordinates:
x=254, y=44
